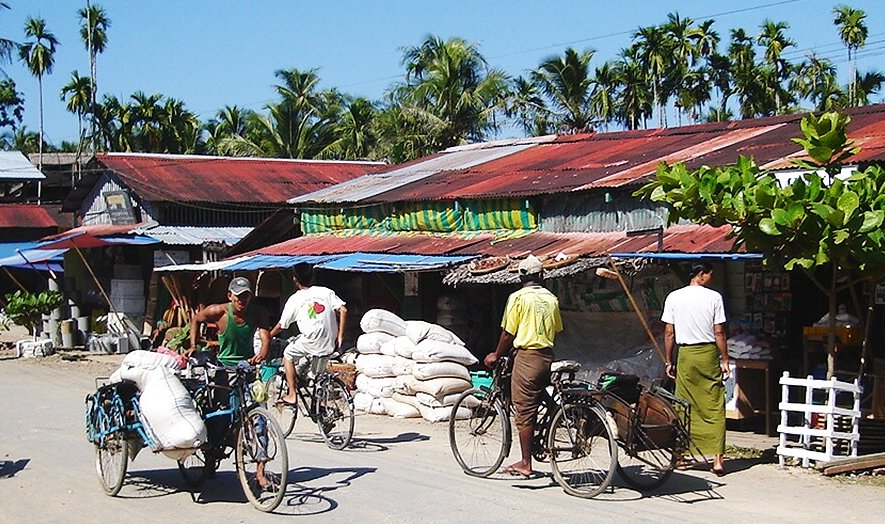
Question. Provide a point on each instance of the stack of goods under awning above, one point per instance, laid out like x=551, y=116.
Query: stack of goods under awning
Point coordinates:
x=409, y=368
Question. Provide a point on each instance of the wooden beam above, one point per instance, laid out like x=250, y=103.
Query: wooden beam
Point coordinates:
x=847, y=465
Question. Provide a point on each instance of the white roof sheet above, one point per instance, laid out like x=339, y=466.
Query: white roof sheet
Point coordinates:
x=193, y=235
x=15, y=166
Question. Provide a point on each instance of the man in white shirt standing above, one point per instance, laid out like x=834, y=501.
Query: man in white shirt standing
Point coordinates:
x=694, y=318
x=320, y=316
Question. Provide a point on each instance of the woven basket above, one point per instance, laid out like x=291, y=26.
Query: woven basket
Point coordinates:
x=345, y=372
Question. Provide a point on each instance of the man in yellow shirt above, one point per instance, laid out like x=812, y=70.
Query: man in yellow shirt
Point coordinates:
x=531, y=322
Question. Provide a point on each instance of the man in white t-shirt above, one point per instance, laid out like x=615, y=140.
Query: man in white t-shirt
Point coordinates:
x=694, y=318
x=320, y=316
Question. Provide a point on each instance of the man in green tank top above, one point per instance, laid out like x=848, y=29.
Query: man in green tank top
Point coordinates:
x=237, y=322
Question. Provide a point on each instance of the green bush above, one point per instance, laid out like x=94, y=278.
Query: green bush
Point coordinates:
x=26, y=309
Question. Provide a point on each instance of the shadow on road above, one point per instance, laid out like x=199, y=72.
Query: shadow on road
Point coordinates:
x=302, y=499
x=8, y=468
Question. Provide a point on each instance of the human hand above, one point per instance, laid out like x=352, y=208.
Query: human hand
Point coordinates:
x=490, y=360
x=671, y=371
x=726, y=371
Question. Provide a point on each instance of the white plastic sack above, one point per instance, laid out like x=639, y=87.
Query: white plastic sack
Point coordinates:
x=418, y=331
x=376, y=320
x=429, y=370
x=370, y=343
x=435, y=351
x=169, y=413
x=436, y=387
x=450, y=303
x=398, y=409
x=362, y=402
x=388, y=348
x=375, y=366
x=446, y=401
x=402, y=366
x=377, y=387
x=149, y=360
x=442, y=414
x=404, y=347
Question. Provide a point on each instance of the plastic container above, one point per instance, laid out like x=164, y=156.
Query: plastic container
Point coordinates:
x=481, y=379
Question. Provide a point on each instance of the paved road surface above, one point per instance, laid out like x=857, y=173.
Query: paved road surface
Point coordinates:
x=399, y=471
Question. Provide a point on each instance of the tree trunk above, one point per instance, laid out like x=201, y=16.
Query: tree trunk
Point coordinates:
x=831, y=326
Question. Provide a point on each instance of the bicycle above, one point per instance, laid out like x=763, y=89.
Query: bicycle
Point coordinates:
x=323, y=397
x=247, y=430
x=653, y=433
x=112, y=422
x=241, y=426
x=571, y=431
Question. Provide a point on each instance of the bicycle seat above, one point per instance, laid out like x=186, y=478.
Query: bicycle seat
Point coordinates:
x=565, y=366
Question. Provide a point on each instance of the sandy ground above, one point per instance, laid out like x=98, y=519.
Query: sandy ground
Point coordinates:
x=395, y=471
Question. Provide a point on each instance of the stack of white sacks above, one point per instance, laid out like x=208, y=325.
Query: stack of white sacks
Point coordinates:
x=409, y=368
x=745, y=345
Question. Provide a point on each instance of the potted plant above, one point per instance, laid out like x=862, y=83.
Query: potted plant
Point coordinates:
x=26, y=309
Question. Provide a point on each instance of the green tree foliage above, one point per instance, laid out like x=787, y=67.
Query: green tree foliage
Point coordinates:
x=26, y=309
x=38, y=55
x=817, y=221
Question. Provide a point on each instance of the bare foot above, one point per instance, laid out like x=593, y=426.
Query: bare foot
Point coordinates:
x=518, y=469
x=288, y=399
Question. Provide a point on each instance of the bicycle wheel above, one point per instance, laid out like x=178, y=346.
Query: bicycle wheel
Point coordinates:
x=334, y=413
x=196, y=468
x=285, y=414
x=111, y=460
x=583, y=452
x=646, y=466
x=481, y=441
x=262, y=459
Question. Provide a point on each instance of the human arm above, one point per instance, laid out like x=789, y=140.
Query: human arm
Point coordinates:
x=264, y=336
x=505, y=342
x=208, y=314
x=669, y=344
x=722, y=345
x=342, y=325
x=275, y=330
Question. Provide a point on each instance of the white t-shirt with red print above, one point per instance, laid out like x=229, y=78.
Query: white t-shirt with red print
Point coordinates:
x=313, y=310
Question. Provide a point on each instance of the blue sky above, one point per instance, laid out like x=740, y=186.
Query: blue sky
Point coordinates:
x=223, y=52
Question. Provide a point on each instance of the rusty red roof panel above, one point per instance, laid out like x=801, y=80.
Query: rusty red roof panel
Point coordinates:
x=609, y=160
x=191, y=178
x=25, y=216
x=676, y=239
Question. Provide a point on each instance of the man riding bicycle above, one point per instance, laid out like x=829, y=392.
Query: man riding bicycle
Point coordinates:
x=320, y=316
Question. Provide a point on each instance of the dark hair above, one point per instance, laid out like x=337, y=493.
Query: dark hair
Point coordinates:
x=303, y=273
x=700, y=267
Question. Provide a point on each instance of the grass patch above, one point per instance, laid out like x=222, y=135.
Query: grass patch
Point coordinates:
x=737, y=452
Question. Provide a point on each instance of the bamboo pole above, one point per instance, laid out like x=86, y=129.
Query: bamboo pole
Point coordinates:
x=639, y=314
x=17, y=283
x=104, y=294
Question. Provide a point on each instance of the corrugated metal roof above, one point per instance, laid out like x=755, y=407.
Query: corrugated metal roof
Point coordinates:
x=193, y=235
x=371, y=187
x=388, y=263
x=604, y=160
x=25, y=216
x=191, y=178
x=688, y=238
x=16, y=166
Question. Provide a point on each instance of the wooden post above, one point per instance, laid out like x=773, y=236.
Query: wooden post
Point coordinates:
x=633, y=303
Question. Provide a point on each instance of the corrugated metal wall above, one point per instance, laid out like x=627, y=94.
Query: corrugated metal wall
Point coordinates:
x=94, y=209
x=591, y=213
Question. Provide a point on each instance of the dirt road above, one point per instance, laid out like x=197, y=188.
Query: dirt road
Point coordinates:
x=398, y=471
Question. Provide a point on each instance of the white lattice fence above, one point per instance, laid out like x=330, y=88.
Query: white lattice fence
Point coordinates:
x=818, y=436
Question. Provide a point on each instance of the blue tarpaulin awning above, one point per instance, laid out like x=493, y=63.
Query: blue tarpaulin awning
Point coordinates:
x=389, y=263
x=278, y=261
x=25, y=255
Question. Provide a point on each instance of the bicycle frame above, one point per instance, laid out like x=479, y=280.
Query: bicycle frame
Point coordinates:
x=102, y=420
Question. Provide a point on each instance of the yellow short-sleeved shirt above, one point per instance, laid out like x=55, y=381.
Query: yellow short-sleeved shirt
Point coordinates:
x=532, y=316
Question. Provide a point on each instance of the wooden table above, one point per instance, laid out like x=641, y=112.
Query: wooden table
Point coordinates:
x=747, y=397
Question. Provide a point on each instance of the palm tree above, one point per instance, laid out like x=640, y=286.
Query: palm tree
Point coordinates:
x=654, y=51
x=355, y=129
x=179, y=129
x=775, y=42
x=567, y=83
x=147, y=114
x=814, y=79
x=635, y=101
x=228, y=123
x=38, y=54
x=450, y=86
x=526, y=105
x=853, y=32
x=603, y=99
x=7, y=46
x=94, y=24
x=78, y=94
x=867, y=84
